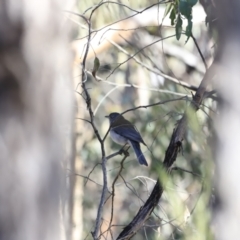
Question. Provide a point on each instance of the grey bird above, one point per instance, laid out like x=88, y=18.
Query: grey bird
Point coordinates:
x=123, y=132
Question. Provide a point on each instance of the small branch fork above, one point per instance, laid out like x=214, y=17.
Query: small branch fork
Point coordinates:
x=91, y=115
x=126, y=154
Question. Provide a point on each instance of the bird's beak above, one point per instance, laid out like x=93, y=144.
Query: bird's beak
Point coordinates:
x=106, y=116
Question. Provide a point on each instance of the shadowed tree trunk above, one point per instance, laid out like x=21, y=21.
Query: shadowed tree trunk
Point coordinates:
x=36, y=114
x=228, y=122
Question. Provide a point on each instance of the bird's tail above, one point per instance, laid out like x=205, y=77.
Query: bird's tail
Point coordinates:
x=138, y=152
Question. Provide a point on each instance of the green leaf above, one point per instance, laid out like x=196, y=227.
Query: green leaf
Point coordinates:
x=96, y=66
x=189, y=30
x=167, y=9
x=192, y=2
x=179, y=27
x=172, y=16
x=185, y=8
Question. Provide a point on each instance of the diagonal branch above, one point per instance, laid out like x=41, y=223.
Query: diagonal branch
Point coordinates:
x=170, y=157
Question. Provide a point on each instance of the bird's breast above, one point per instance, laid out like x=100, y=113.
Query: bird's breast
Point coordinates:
x=118, y=138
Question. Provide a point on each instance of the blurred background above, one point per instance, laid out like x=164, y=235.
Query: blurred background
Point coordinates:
x=141, y=63
x=65, y=65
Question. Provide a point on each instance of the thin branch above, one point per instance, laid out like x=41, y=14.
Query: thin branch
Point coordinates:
x=170, y=157
x=139, y=12
x=127, y=29
x=149, y=68
x=85, y=120
x=140, y=50
x=102, y=100
x=107, y=2
x=113, y=189
x=157, y=103
x=199, y=50
x=88, y=176
x=91, y=115
x=195, y=205
x=114, y=154
x=185, y=170
x=139, y=87
x=104, y=170
x=113, y=192
x=146, y=106
x=88, y=179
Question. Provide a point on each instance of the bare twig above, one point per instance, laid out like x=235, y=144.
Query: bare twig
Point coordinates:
x=88, y=179
x=140, y=50
x=91, y=115
x=110, y=2
x=144, y=88
x=88, y=176
x=149, y=68
x=113, y=188
x=114, y=154
x=147, y=106
x=157, y=103
x=185, y=170
x=199, y=50
x=131, y=16
x=113, y=192
x=88, y=102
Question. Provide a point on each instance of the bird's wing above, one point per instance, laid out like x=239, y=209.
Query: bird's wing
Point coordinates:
x=129, y=132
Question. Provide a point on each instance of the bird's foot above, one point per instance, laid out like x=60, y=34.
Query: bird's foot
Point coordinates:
x=124, y=151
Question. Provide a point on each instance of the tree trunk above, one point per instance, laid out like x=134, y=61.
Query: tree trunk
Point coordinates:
x=36, y=106
x=228, y=122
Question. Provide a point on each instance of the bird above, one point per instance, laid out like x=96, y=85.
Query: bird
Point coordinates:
x=124, y=132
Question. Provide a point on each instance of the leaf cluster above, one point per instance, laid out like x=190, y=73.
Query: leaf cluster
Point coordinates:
x=180, y=9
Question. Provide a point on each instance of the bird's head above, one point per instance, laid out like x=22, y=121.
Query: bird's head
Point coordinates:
x=114, y=116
